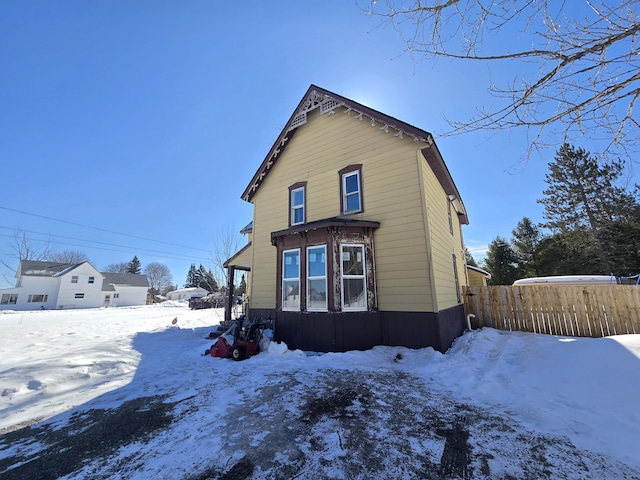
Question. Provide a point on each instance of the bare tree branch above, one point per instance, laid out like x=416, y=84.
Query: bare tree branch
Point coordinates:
x=584, y=56
x=22, y=249
x=66, y=256
x=227, y=242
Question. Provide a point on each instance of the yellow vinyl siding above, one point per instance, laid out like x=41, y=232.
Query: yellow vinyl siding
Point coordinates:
x=443, y=243
x=392, y=195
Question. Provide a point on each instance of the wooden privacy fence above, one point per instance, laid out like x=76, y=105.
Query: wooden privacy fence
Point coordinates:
x=579, y=311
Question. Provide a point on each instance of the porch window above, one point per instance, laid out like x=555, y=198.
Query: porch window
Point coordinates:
x=317, y=278
x=291, y=280
x=9, y=299
x=354, y=286
x=297, y=204
x=351, y=189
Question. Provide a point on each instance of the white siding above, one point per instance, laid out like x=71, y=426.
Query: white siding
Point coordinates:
x=92, y=292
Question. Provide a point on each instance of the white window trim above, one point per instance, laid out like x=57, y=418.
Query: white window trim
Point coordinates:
x=324, y=277
x=290, y=309
x=297, y=207
x=344, y=191
x=363, y=277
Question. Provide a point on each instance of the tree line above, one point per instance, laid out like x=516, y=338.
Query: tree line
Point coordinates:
x=592, y=224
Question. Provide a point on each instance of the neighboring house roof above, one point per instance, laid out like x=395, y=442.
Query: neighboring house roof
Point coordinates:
x=328, y=102
x=124, y=280
x=56, y=269
x=479, y=270
x=37, y=268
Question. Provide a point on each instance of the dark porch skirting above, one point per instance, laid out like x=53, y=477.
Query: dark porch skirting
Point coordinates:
x=340, y=332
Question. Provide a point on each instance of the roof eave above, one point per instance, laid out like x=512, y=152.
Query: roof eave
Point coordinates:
x=313, y=92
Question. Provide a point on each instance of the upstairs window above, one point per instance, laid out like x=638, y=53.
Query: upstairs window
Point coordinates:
x=351, y=189
x=297, y=204
x=92, y=279
x=291, y=280
x=74, y=279
x=354, y=285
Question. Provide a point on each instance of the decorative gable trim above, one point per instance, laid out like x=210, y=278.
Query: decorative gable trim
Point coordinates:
x=330, y=103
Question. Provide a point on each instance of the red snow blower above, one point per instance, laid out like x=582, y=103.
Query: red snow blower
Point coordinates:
x=240, y=341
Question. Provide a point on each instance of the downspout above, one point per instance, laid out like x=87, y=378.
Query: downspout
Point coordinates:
x=469, y=317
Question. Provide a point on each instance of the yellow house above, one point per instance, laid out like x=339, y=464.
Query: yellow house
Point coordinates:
x=356, y=236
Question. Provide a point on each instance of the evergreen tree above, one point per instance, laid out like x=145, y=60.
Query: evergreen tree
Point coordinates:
x=134, y=266
x=583, y=194
x=568, y=253
x=525, y=241
x=502, y=263
x=200, y=277
x=206, y=280
x=467, y=255
x=192, y=280
x=622, y=243
x=242, y=288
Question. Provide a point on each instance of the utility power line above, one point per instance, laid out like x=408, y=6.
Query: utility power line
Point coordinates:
x=100, y=229
x=177, y=256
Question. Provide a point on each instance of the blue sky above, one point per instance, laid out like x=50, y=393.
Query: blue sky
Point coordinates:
x=149, y=118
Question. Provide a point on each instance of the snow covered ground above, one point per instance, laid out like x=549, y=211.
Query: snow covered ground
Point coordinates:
x=123, y=393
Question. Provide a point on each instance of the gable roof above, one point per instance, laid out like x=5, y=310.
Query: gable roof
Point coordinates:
x=37, y=268
x=328, y=103
x=124, y=280
x=41, y=269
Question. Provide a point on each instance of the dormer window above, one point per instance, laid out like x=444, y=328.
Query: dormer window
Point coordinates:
x=297, y=200
x=351, y=189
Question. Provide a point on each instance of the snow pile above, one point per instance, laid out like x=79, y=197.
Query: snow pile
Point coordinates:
x=506, y=395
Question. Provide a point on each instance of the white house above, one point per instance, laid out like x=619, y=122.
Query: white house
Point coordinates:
x=187, y=293
x=51, y=285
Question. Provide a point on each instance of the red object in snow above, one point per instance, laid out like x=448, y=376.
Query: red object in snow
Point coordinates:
x=246, y=341
x=174, y=321
x=238, y=351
